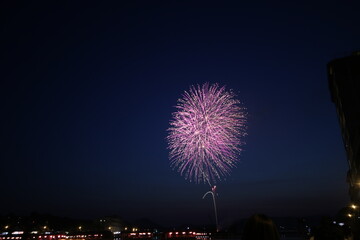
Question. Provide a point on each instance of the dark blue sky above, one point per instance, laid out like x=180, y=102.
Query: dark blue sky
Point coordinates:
x=87, y=92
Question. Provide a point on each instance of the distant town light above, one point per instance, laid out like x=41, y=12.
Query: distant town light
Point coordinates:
x=353, y=206
x=349, y=215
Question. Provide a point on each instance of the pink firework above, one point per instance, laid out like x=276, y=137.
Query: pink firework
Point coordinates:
x=205, y=136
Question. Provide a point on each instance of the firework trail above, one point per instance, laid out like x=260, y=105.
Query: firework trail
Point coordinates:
x=213, y=192
x=205, y=134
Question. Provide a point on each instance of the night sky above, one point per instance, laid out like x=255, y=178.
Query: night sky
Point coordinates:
x=87, y=93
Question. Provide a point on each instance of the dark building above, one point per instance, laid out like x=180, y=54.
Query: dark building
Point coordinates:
x=344, y=83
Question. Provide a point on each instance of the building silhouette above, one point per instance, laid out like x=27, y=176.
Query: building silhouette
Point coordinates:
x=344, y=83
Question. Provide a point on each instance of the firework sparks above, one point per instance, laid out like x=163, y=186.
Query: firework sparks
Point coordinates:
x=205, y=136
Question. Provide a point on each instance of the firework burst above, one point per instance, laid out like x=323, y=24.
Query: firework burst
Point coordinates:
x=205, y=136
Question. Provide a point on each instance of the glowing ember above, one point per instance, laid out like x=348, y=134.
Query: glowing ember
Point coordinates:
x=205, y=134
